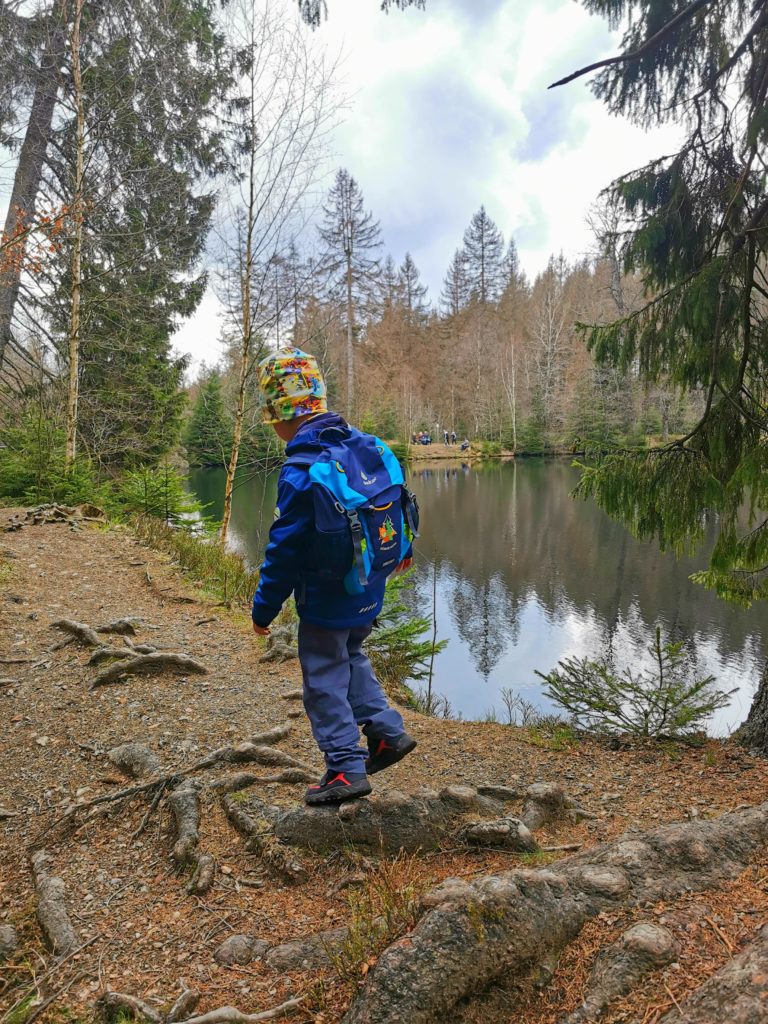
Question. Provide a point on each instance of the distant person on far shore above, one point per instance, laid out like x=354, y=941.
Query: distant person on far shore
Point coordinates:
x=445, y=433
x=465, y=445
x=453, y=437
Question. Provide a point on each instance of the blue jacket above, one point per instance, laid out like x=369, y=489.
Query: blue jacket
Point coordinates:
x=287, y=564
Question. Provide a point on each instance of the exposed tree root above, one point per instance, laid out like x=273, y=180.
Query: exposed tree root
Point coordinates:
x=122, y=627
x=51, y=907
x=737, y=993
x=249, y=753
x=272, y=736
x=55, y=513
x=282, y=644
x=391, y=821
x=261, y=839
x=620, y=968
x=508, y=923
x=184, y=802
x=112, y=1004
x=182, y=790
x=132, y=659
x=145, y=663
x=500, y=833
x=79, y=631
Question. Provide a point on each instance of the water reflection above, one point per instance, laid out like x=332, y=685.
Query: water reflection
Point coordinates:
x=527, y=576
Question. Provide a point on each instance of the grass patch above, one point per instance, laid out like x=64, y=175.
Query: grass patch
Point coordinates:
x=222, y=574
x=383, y=910
x=556, y=736
x=538, y=858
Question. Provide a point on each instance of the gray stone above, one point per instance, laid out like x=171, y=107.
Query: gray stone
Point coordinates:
x=9, y=941
x=240, y=949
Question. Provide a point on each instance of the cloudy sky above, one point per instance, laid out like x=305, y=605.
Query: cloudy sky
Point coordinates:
x=449, y=109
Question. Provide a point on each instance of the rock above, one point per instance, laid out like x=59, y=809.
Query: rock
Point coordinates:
x=240, y=949
x=9, y=941
x=134, y=759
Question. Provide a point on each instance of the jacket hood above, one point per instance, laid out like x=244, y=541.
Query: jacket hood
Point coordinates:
x=307, y=436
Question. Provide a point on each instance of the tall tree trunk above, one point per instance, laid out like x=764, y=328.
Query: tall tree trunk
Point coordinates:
x=753, y=734
x=350, y=343
x=29, y=170
x=246, y=329
x=77, y=243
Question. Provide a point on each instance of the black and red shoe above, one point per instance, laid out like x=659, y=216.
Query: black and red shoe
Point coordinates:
x=384, y=753
x=336, y=787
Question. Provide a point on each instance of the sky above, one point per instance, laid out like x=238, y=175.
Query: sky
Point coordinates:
x=448, y=109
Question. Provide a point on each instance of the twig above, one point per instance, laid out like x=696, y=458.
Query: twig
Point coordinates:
x=230, y=1015
x=52, y=998
x=721, y=935
x=49, y=974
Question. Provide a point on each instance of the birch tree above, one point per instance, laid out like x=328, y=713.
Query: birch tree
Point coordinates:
x=277, y=119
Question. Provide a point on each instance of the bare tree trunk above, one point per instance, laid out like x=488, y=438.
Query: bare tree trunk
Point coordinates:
x=29, y=170
x=77, y=245
x=246, y=328
x=753, y=734
x=350, y=343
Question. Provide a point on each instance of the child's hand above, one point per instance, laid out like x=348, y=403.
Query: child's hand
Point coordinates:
x=260, y=630
x=404, y=565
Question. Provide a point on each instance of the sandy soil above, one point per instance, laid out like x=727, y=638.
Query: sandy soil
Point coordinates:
x=126, y=902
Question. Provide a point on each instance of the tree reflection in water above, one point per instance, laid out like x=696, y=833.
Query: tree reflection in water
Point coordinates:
x=526, y=576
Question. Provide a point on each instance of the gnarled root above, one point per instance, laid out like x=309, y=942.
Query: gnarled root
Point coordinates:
x=508, y=922
x=620, y=968
x=51, y=907
x=185, y=805
x=134, y=759
x=157, y=661
x=261, y=839
x=500, y=833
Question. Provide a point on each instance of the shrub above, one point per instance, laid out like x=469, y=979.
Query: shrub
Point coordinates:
x=158, y=492
x=668, y=702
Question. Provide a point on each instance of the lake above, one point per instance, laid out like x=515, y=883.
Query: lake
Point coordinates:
x=526, y=576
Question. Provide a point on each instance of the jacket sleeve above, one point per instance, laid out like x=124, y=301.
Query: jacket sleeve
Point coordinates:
x=285, y=552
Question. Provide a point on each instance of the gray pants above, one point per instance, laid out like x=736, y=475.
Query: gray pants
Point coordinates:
x=342, y=693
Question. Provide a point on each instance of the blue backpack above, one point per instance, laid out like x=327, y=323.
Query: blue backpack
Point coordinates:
x=365, y=516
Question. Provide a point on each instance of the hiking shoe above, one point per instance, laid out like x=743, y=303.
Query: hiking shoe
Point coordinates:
x=336, y=787
x=385, y=753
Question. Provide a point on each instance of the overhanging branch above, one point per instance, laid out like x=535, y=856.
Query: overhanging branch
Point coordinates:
x=641, y=51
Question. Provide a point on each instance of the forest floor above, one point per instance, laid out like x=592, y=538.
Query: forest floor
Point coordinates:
x=139, y=930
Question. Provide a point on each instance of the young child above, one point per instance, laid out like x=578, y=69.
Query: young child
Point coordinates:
x=336, y=568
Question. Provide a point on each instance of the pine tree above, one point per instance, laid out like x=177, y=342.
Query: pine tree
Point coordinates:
x=150, y=87
x=413, y=291
x=455, y=295
x=313, y=11
x=208, y=434
x=512, y=274
x=352, y=238
x=484, y=246
x=697, y=232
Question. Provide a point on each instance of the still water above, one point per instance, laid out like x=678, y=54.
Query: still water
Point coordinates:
x=526, y=576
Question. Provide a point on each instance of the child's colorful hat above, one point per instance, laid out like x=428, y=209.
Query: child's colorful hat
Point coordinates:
x=291, y=385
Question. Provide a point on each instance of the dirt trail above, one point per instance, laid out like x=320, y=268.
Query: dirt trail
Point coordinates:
x=123, y=893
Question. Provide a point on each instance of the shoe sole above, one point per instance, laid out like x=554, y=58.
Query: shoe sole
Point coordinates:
x=397, y=756
x=336, y=796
